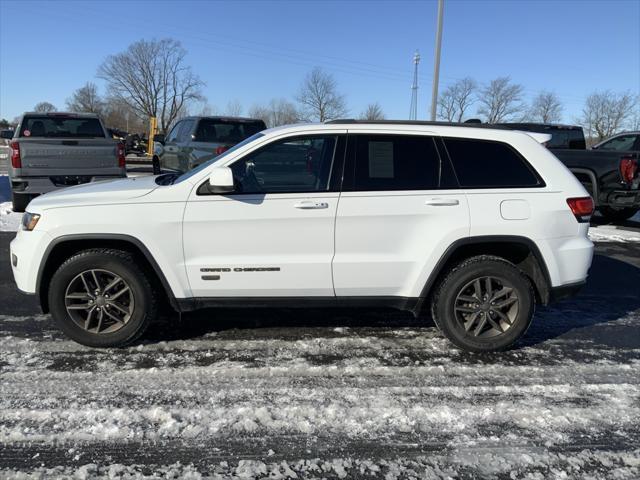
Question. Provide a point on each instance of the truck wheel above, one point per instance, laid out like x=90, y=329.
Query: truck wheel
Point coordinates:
x=101, y=298
x=20, y=201
x=484, y=304
x=617, y=214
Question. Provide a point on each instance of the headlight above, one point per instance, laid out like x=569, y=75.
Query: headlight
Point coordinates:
x=29, y=221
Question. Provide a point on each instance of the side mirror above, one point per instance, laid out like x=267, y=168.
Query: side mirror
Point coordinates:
x=221, y=180
x=159, y=137
x=6, y=134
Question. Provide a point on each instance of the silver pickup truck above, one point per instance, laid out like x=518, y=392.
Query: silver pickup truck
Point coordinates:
x=49, y=151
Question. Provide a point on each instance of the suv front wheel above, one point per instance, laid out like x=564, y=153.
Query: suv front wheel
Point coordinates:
x=101, y=298
x=484, y=304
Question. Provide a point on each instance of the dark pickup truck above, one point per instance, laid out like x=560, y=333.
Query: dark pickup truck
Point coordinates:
x=609, y=170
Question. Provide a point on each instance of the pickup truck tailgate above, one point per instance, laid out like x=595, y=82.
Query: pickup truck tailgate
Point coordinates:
x=68, y=157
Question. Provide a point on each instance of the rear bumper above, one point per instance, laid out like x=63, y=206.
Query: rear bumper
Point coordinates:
x=39, y=185
x=623, y=199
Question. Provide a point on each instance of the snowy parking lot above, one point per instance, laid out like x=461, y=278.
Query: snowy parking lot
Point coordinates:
x=306, y=393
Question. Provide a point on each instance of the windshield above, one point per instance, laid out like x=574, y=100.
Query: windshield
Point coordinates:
x=61, y=127
x=204, y=165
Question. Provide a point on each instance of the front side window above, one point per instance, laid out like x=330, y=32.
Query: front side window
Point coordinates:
x=173, y=134
x=184, y=134
x=489, y=164
x=300, y=164
x=395, y=162
x=623, y=143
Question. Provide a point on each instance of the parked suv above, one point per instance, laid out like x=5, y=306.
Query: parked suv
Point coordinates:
x=475, y=225
x=50, y=151
x=195, y=140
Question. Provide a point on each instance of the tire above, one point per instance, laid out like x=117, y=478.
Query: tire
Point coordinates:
x=20, y=201
x=155, y=163
x=458, y=315
x=132, y=300
x=618, y=214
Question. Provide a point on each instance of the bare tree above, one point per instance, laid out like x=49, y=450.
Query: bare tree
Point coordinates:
x=546, y=108
x=456, y=99
x=501, y=100
x=45, y=107
x=151, y=76
x=208, y=110
x=606, y=112
x=86, y=99
x=234, y=108
x=278, y=112
x=319, y=99
x=117, y=113
x=373, y=112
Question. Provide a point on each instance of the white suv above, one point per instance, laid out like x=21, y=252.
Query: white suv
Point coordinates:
x=476, y=224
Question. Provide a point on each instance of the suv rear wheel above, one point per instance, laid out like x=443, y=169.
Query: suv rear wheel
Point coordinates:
x=101, y=298
x=484, y=304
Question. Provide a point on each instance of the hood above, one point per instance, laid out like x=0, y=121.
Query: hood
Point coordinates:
x=107, y=191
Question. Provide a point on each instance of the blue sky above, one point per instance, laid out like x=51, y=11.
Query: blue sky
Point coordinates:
x=254, y=51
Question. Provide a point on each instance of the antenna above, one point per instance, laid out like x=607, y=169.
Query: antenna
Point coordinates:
x=413, y=110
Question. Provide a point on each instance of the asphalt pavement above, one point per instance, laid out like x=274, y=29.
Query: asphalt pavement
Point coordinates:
x=333, y=394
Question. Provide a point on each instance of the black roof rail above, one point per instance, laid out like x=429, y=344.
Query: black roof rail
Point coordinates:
x=352, y=121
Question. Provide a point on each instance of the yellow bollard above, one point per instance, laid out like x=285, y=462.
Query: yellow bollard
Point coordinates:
x=153, y=126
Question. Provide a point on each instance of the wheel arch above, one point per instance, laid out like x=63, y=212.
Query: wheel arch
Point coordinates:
x=63, y=247
x=521, y=251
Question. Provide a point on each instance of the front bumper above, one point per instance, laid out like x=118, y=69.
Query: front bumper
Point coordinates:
x=565, y=291
x=26, y=252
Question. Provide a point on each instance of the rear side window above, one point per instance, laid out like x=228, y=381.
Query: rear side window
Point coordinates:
x=218, y=131
x=487, y=164
x=61, y=127
x=394, y=162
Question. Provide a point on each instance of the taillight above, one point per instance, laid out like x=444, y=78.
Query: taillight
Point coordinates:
x=628, y=169
x=120, y=153
x=221, y=149
x=581, y=207
x=16, y=161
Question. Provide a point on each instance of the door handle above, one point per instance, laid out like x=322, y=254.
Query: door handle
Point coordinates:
x=442, y=202
x=310, y=205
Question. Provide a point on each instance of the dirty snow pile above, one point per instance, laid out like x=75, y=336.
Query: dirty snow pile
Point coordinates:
x=611, y=233
x=9, y=220
x=486, y=464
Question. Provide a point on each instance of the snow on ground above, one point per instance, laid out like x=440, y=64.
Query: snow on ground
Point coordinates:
x=9, y=220
x=612, y=233
x=374, y=402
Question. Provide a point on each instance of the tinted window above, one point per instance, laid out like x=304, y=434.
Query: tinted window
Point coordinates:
x=61, y=127
x=623, y=143
x=395, y=162
x=173, y=134
x=301, y=164
x=486, y=164
x=184, y=134
x=219, y=131
x=573, y=139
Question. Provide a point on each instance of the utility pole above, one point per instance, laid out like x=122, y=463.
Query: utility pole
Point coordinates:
x=413, y=109
x=436, y=65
